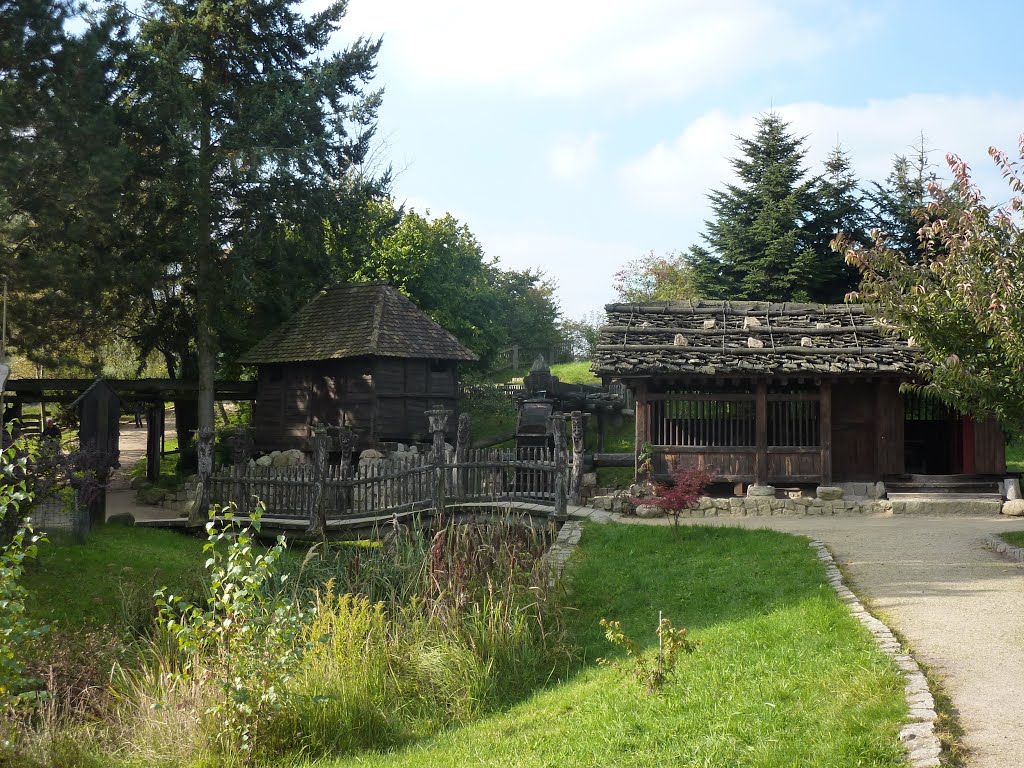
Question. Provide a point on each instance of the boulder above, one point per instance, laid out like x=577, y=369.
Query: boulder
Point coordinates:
x=1012, y=489
x=648, y=511
x=371, y=453
x=264, y=461
x=766, y=491
x=1014, y=508
x=829, y=492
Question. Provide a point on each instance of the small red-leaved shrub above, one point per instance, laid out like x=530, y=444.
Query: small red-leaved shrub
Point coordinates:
x=685, y=489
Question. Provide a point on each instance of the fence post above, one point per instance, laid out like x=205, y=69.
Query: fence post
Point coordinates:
x=462, y=442
x=515, y=357
x=561, y=462
x=576, y=478
x=204, y=452
x=438, y=420
x=317, y=508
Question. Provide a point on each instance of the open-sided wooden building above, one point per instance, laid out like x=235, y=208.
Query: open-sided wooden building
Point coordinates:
x=359, y=355
x=785, y=394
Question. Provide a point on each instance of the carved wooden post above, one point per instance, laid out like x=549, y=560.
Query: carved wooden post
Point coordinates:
x=204, y=454
x=317, y=507
x=346, y=441
x=438, y=420
x=462, y=443
x=576, y=479
x=561, y=466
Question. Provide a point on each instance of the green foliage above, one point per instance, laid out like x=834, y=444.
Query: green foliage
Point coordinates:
x=896, y=203
x=958, y=296
x=655, y=278
x=17, y=631
x=244, y=639
x=653, y=673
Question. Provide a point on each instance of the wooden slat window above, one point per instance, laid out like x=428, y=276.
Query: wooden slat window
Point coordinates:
x=793, y=423
x=702, y=422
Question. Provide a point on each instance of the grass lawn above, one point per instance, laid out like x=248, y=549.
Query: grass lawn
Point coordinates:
x=1015, y=456
x=784, y=676
x=111, y=577
x=576, y=372
x=1014, y=538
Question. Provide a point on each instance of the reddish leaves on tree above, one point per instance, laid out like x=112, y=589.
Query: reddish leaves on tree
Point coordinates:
x=685, y=489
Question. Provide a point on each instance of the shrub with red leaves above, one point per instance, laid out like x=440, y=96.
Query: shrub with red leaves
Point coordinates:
x=687, y=486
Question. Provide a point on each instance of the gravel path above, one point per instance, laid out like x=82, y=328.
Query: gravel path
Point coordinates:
x=959, y=607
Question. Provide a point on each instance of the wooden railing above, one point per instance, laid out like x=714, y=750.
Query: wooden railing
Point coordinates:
x=326, y=494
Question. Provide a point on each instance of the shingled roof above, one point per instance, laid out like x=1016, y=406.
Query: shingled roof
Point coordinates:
x=357, y=319
x=730, y=337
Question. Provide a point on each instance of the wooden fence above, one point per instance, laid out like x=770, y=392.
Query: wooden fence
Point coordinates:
x=323, y=494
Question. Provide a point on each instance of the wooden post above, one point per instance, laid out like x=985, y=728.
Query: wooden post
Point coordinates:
x=438, y=421
x=462, y=443
x=761, y=434
x=642, y=410
x=576, y=479
x=317, y=507
x=967, y=446
x=515, y=357
x=154, y=424
x=825, y=422
x=204, y=452
x=561, y=466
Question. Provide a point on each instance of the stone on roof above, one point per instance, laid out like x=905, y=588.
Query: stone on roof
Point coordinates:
x=355, y=320
x=750, y=338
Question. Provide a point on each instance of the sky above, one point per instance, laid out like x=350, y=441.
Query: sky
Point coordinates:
x=574, y=137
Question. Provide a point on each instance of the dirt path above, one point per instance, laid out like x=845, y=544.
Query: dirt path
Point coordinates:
x=960, y=608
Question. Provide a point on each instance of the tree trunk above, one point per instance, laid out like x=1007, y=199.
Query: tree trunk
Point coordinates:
x=204, y=274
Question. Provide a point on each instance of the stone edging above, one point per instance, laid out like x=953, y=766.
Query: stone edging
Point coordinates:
x=561, y=549
x=995, y=542
x=918, y=735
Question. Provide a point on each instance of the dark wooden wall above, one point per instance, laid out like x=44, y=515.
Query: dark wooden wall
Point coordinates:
x=989, y=447
x=380, y=398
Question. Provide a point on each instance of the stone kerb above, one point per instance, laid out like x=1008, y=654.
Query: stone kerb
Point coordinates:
x=749, y=506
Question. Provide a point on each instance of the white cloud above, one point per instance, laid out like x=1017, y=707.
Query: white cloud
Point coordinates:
x=643, y=48
x=675, y=175
x=572, y=159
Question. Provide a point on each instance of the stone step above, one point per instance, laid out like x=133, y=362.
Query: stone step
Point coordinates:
x=946, y=506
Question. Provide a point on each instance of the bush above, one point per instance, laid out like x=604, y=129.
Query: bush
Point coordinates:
x=687, y=486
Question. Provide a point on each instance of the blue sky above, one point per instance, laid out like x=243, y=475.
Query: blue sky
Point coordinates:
x=576, y=136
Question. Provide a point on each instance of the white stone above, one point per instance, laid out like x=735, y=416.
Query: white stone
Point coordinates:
x=264, y=461
x=751, y=322
x=1014, y=508
x=679, y=340
x=754, y=343
x=371, y=453
x=761, y=490
x=648, y=511
x=806, y=341
x=709, y=324
x=1012, y=489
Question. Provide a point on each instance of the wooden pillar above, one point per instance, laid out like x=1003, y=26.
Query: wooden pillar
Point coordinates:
x=602, y=431
x=154, y=440
x=576, y=478
x=462, y=443
x=204, y=451
x=761, y=434
x=317, y=499
x=437, y=418
x=825, y=424
x=642, y=414
x=561, y=466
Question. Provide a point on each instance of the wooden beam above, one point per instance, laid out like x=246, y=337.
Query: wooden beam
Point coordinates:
x=761, y=434
x=825, y=423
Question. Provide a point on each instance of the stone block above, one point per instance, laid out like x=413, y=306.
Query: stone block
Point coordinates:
x=1012, y=486
x=1014, y=507
x=761, y=491
x=370, y=453
x=829, y=492
x=124, y=518
x=589, y=479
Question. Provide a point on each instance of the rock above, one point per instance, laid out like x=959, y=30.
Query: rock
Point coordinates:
x=123, y=518
x=590, y=479
x=279, y=460
x=293, y=457
x=371, y=453
x=1013, y=489
x=151, y=495
x=264, y=461
x=648, y=511
x=400, y=448
x=761, y=490
x=1014, y=508
x=829, y=492
x=878, y=492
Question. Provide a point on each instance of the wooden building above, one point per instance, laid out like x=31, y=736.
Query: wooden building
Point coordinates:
x=359, y=355
x=785, y=394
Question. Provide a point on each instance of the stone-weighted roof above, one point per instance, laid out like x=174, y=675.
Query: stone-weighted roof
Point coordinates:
x=354, y=320
x=711, y=338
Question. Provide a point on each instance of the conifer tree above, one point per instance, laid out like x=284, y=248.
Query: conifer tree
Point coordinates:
x=895, y=205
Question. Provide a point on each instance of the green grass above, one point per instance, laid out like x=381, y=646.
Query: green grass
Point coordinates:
x=170, y=478
x=576, y=372
x=1015, y=456
x=111, y=576
x=1014, y=538
x=784, y=675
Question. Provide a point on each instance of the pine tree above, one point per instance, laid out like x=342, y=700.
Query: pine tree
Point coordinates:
x=249, y=138
x=758, y=248
x=894, y=205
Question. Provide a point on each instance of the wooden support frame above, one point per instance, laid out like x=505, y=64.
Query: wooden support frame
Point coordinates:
x=761, y=434
x=825, y=424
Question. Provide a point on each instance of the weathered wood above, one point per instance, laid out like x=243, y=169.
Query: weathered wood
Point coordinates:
x=462, y=443
x=825, y=425
x=321, y=441
x=204, y=453
x=759, y=351
x=751, y=331
x=154, y=440
x=613, y=459
x=576, y=478
x=561, y=462
x=761, y=434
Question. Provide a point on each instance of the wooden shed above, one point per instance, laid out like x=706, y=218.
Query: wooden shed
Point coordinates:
x=786, y=394
x=359, y=355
